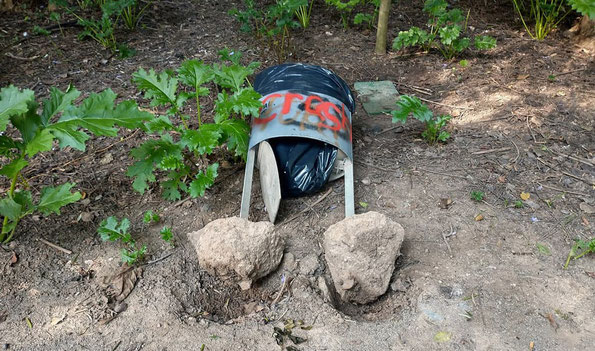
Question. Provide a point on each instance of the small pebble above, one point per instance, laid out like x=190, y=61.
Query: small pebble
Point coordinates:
x=366, y=181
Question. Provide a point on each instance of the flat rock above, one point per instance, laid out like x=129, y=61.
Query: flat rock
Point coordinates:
x=361, y=251
x=237, y=249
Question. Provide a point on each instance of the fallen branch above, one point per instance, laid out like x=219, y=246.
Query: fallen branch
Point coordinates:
x=59, y=248
x=18, y=58
x=490, y=151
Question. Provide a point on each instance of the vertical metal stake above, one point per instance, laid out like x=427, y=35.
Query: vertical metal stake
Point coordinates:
x=349, y=192
x=247, y=190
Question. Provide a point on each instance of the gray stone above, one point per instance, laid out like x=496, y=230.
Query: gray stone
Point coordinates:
x=309, y=264
x=360, y=252
x=237, y=249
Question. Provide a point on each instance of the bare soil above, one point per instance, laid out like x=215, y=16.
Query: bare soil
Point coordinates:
x=461, y=283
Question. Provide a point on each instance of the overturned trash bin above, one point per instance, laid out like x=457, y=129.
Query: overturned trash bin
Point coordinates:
x=303, y=136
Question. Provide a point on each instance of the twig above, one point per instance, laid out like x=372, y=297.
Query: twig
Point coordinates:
x=581, y=160
x=530, y=130
x=566, y=173
x=308, y=209
x=439, y=173
x=490, y=151
x=570, y=72
x=445, y=105
x=444, y=236
x=59, y=248
x=388, y=130
x=563, y=191
x=417, y=89
x=281, y=291
x=32, y=58
x=518, y=153
x=159, y=259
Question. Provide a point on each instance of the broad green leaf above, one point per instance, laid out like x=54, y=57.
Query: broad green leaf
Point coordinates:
x=53, y=198
x=132, y=256
x=232, y=77
x=460, y=44
x=160, y=89
x=166, y=234
x=203, y=140
x=171, y=162
x=27, y=123
x=149, y=155
x=236, y=133
x=8, y=146
x=203, y=181
x=172, y=186
x=584, y=7
x=10, y=209
x=58, y=102
x=42, y=141
x=98, y=115
x=435, y=7
x=413, y=37
x=25, y=199
x=449, y=34
x=159, y=124
x=111, y=230
x=484, y=42
x=246, y=102
x=195, y=73
x=411, y=105
x=223, y=107
x=13, y=102
x=13, y=168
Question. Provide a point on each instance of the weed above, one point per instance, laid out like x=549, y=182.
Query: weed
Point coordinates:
x=518, y=204
x=181, y=150
x=149, y=217
x=59, y=119
x=579, y=249
x=543, y=249
x=584, y=7
x=412, y=105
x=463, y=63
x=166, y=234
x=111, y=230
x=477, y=195
x=302, y=13
x=445, y=32
x=41, y=31
x=546, y=15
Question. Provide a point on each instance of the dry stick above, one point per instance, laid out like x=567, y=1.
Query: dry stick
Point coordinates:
x=280, y=293
x=531, y=130
x=308, y=209
x=570, y=72
x=32, y=58
x=518, y=153
x=439, y=173
x=66, y=251
x=581, y=160
x=388, y=129
x=566, y=173
x=490, y=151
x=562, y=190
x=446, y=242
x=445, y=105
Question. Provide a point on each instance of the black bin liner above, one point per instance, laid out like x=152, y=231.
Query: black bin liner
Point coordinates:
x=305, y=165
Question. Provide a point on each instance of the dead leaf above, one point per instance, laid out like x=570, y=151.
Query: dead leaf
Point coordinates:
x=522, y=76
x=13, y=258
x=445, y=203
x=57, y=320
x=122, y=283
x=585, y=221
x=479, y=217
x=590, y=274
x=531, y=345
x=442, y=336
x=525, y=196
x=585, y=207
x=501, y=179
x=553, y=323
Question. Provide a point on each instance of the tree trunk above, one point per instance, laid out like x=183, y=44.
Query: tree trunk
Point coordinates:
x=382, y=26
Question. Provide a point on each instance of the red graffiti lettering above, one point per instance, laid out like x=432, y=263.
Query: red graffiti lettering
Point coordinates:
x=272, y=115
x=288, y=99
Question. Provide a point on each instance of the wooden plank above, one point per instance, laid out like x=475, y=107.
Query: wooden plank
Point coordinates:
x=349, y=190
x=247, y=190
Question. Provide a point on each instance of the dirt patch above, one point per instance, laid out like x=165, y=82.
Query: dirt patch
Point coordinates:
x=460, y=284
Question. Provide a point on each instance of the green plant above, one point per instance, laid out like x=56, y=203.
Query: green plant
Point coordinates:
x=368, y=18
x=58, y=119
x=546, y=15
x=433, y=124
x=166, y=234
x=345, y=8
x=182, y=150
x=477, y=195
x=149, y=217
x=579, y=249
x=40, y=31
x=519, y=204
x=446, y=28
x=272, y=24
x=584, y=7
x=133, y=12
x=111, y=230
x=302, y=13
